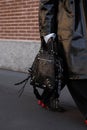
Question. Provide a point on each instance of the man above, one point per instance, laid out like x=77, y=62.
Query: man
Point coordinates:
x=67, y=20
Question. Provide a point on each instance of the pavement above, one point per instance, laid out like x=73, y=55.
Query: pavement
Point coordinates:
x=24, y=113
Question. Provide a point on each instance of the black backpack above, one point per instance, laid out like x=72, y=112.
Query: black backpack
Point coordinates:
x=47, y=73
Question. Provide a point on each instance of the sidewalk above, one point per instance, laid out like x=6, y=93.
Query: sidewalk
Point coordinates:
x=24, y=113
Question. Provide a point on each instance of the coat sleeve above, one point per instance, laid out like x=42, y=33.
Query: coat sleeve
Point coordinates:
x=48, y=16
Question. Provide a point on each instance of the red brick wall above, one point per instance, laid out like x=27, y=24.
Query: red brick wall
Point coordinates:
x=19, y=19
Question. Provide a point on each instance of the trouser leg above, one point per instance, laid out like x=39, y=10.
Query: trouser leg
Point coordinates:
x=78, y=90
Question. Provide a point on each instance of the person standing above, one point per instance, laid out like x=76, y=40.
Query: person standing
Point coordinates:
x=67, y=20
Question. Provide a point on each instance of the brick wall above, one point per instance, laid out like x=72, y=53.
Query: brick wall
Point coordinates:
x=19, y=19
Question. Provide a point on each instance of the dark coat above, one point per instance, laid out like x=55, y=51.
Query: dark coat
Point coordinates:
x=68, y=19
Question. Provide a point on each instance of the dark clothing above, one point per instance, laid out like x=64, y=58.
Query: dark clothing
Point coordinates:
x=67, y=18
x=78, y=89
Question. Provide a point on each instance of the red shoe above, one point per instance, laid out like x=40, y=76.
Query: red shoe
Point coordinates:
x=39, y=102
x=42, y=104
x=86, y=122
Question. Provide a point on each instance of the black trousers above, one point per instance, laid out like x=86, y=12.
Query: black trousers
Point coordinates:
x=78, y=90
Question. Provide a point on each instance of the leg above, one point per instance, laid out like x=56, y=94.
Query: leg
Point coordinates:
x=78, y=90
